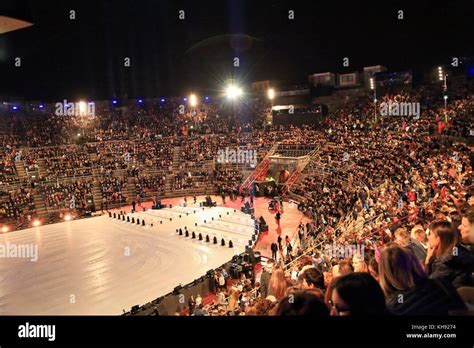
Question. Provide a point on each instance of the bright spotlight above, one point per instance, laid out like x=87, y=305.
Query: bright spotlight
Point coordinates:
x=192, y=100
x=82, y=107
x=36, y=223
x=78, y=134
x=5, y=229
x=41, y=106
x=372, y=85
x=271, y=93
x=67, y=217
x=233, y=92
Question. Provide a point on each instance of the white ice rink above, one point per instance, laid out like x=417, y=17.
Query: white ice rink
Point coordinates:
x=102, y=265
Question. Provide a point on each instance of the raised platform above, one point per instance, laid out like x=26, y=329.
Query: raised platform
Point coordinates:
x=103, y=265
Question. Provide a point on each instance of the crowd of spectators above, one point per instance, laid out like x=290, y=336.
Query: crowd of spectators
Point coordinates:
x=399, y=190
x=148, y=185
x=112, y=190
x=17, y=205
x=71, y=195
x=419, y=272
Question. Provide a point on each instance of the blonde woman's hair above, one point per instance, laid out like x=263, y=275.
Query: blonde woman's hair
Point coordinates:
x=277, y=285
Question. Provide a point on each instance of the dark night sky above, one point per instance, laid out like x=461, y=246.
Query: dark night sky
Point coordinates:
x=83, y=58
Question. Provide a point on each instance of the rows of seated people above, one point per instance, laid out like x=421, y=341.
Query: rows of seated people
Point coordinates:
x=112, y=190
x=405, y=160
x=147, y=185
x=376, y=154
x=17, y=205
x=188, y=180
x=201, y=148
x=8, y=172
x=71, y=195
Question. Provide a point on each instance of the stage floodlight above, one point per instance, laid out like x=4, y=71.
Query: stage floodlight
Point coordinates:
x=271, y=93
x=192, y=100
x=82, y=107
x=233, y=92
x=5, y=229
x=36, y=223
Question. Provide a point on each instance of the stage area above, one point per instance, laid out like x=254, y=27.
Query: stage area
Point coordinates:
x=102, y=265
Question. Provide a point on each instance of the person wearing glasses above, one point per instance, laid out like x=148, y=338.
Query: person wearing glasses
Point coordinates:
x=357, y=294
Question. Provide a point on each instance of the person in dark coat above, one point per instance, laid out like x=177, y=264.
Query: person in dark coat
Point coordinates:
x=407, y=288
x=279, y=243
x=447, y=258
x=265, y=278
x=274, y=249
x=277, y=218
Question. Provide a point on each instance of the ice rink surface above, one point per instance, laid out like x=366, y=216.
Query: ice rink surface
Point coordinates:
x=101, y=266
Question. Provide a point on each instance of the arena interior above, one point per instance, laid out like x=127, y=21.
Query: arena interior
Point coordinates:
x=344, y=193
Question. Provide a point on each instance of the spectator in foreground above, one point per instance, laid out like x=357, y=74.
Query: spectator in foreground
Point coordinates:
x=302, y=303
x=446, y=257
x=278, y=283
x=408, y=289
x=357, y=294
x=311, y=278
x=467, y=229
